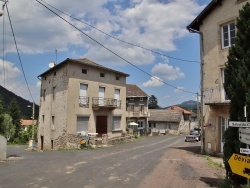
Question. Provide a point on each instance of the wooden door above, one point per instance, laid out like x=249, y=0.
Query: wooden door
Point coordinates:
x=101, y=125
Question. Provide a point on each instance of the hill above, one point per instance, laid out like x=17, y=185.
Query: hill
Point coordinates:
x=8, y=96
x=189, y=105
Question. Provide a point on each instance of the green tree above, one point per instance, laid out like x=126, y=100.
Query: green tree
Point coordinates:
x=15, y=113
x=9, y=129
x=237, y=85
x=153, y=102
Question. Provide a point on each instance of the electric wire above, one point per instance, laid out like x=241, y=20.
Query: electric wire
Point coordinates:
x=4, y=40
x=136, y=45
x=113, y=51
x=12, y=30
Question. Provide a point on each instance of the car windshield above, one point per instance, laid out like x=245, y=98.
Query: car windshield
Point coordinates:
x=194, y=133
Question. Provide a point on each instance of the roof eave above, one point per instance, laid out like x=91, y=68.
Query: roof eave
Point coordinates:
x=195, y=24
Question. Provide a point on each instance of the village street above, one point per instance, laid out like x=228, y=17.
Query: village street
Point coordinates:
x=159, y=161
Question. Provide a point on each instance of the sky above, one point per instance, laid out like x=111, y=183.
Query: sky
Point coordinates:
x=83, y=28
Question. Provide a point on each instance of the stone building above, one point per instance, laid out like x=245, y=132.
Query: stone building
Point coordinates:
x=216, y=27
x=79, y=95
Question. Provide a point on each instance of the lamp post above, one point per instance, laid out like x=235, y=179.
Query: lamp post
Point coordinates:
x=31, y=142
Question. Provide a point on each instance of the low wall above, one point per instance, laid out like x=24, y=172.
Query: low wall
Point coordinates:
x=3, y=148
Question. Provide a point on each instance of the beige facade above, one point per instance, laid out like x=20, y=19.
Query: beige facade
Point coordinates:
x=80, y=95
x=137, y=107
x=216, y=26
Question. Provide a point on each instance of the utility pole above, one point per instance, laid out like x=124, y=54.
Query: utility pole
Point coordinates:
x=32, y=141
x=202, y=86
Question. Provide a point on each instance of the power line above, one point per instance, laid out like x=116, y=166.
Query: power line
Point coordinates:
x=112, y=51
x=18, y=53
x=136, y=45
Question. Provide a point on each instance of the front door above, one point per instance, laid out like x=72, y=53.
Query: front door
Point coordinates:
x=101, y=125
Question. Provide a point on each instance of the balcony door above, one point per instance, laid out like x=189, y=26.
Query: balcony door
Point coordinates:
x=117, y=97
x=224, y=126
x=83, y=94
x=101, y=96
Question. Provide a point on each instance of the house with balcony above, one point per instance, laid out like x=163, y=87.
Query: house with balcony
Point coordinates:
x=216, y=27
x=79, y=95
x=137, y=107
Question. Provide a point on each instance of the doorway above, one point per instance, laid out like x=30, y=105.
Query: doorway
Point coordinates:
x=101, y=125
x=41, y=142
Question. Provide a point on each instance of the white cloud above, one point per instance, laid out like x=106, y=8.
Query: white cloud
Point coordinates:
x=145, y=23
x=179, y=89
x=154, y=82
x=167, y=71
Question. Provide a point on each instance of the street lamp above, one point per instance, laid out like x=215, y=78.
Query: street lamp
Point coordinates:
x=31, y=142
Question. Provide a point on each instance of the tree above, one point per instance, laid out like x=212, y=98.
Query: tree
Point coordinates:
x=14, y=112
x=237, y=85
x=153, y=102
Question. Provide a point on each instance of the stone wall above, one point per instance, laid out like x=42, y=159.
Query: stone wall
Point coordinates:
x=3, y=148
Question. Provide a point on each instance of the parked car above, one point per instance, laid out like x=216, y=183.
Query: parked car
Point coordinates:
x=194, y=135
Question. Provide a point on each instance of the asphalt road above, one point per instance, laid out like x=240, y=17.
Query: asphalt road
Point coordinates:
x=122, y=165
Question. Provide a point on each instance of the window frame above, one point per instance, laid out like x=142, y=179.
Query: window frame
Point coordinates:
x=229, y=37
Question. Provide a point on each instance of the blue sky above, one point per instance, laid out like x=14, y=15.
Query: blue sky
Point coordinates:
x=159, y=25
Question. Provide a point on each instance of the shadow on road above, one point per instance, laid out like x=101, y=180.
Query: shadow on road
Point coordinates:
x=212, y=182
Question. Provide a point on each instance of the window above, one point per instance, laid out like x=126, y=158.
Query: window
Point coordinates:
x=44, y=93
x=83, y=99
x=45, y=78
x=142, y=109
x=141, y=99
x=228, y=35
x=224, y=96
x=131, y=107
x=84, y=71
x=117, y=97
x=117, y=123
x=117, y=78
x=43, y=118
x=54, y=92
x=102, y=75
x=54, y=73
x=52, y=122
x=82, y=123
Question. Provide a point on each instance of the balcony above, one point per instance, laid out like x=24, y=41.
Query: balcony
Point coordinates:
x=98, y=102
x=137, y=114
x=84, y=101
x=215, y=95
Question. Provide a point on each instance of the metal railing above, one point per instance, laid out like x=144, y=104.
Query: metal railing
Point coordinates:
x=106, y=102
x=84, y=101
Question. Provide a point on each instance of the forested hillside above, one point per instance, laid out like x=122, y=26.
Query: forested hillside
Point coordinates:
x=8, y=96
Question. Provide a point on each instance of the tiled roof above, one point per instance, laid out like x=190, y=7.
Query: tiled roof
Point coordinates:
x=179, y=108
x=84, y=61
x=25, y=122
x=165, y=115
x=134, y=91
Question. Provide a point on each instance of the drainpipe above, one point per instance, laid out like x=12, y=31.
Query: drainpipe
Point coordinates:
x=202, y=86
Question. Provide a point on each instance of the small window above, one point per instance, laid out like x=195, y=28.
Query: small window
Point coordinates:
x=45, y=78
x=84, y=71
x=55, y=73
x=131, y=99
x=102, y=75
x=53, y=122
x=44, y=94
x=43, y=118
x=141, y=99
x=54, y=92
x=117, y=78
x=228, y=35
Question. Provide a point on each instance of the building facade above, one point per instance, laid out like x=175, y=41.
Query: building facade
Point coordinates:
x=137, y=107
x=79, y=95
x=217, y=30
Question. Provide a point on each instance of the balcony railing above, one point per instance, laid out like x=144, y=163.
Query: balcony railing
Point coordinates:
x=215, y=95
x=137, y=114
x=84, y=101
x=106, y=102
